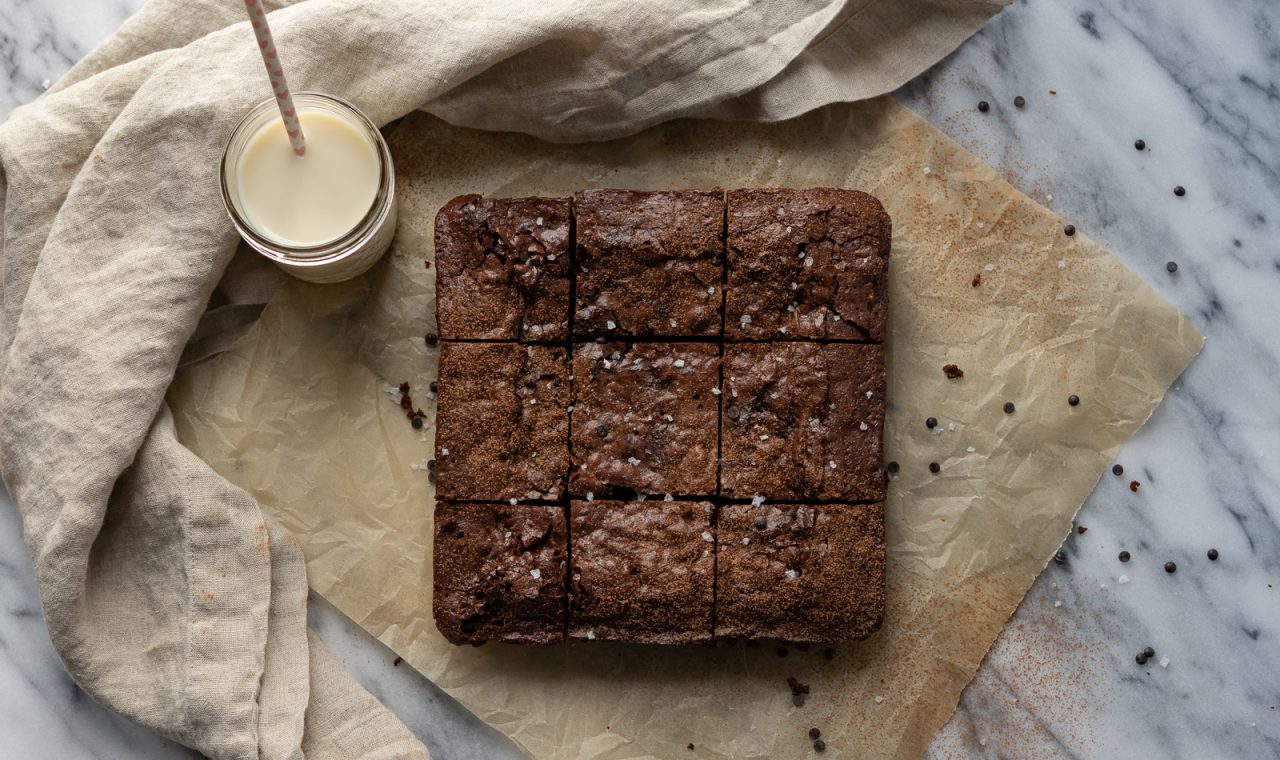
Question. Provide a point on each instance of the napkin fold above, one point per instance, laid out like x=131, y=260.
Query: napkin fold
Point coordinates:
x=169, y=595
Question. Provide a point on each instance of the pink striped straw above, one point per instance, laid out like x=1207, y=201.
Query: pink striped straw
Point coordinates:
x=267, y=46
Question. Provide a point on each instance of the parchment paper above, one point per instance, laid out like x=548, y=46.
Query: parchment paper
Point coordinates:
x=302, y=412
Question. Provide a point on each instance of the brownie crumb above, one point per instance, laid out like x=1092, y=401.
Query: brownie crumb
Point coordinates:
x=415, y=416
x=1081, y=530
x=1134, y=486
x=797, y=687
x=952, y=372
x=689, y=746
x=977, y=280
x=396, y=663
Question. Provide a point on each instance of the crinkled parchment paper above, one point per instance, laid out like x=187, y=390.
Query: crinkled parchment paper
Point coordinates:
x=302, y=412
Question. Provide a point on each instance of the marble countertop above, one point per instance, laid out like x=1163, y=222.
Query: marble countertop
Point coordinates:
x=1202, y=88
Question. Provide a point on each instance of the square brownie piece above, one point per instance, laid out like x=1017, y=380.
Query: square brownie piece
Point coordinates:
x=649, y=263
x=503, y=269
x=499, y=573
x=803, y=421
x=502, y=422
x=644, y=418
x=800, y=572
x=806, y=264
x=642, y=571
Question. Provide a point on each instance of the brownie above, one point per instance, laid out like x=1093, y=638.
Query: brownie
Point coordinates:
x=649, y=263
x=800, y=572
x=642, y=571
x=644, y=418
x=502, y=424
x=803, y=421
x=806, y=264
x=503, y=269
x=499, y=573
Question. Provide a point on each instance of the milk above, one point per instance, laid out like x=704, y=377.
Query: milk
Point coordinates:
x=313, y=199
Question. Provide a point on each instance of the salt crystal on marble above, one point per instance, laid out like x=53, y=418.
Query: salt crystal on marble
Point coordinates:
x=1122, y=580
x=927, y=171
x=1057, y=604
x=951, y=428
x=980, y=225
x=879, y=699
x=970, y=449
x=1164, y=662
x=990, y=267
x=1062, y=264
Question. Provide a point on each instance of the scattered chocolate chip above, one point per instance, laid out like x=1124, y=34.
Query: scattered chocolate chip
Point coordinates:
x=1140, y=144
x=1171, y=267
x=1009, y=407
x=1148, y=652
x=1019, y=101
x=434, y=387
x=760, y=524
x=829, y=653
x=977, y=280
x=931, y=423
x=1124, y=556
x=1081, y=529
x=1117, y=470
x=1179, y=191
x=1073, y=400
x=1060, y=558
x=416, y=422
x=1169, y=567
x=893, y=468
x=819, y=746
x=1213, y=555
x=431, y=464
x=1141, y=659
x=431, y=476
x=935, y=468
x=798, y=700
x=602, y=431
x=814, y=733
x=1069, y=230
x=432, y=339
x=1134, y=486
x=984, y=106
x=952, y=372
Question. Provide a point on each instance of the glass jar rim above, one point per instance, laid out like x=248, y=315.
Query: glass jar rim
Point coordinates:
x=332, y=250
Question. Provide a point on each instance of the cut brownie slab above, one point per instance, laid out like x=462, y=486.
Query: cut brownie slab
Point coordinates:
x=499, y=573
x=642, y=571
x=644, y=418
x=806, y=264
x=800, y=573
x=649, y=263
x=803, y=421
x=502, y=422
x=503, y=269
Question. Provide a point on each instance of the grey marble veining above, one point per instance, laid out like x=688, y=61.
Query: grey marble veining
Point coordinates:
x=1200, y=83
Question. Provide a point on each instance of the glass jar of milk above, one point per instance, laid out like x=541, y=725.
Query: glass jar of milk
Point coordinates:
x=325, y=216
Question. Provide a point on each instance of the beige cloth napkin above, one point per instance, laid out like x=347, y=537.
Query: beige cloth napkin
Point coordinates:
x=169, y=595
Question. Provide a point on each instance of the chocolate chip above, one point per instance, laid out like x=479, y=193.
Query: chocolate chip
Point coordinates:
x=1179, y=191
x=1124, y=556
x=435, y=388
x=1169, y=567
x=931, y=423
x=602, y=431
x=893, y=468
x=952, y=372
x=819, y=746
x=1140, y=144
x=1134, y=486
x=1171, y=267
x=1008, y=407
x=1019, y=101
x=1073, y=400
x=760, y=524
x=1060, y=558
x=1141, y=659
x=935, y=468
x=797, y=700
x=417, y=423
x=814, y=733
x=431, y=476
x=432, y=339
x=1069, y=230
x=1213, y=554
x=431, y=464
x=1117, y=470
x=984, y=106
x=1148, y=652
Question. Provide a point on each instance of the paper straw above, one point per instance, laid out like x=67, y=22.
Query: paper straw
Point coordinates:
x=267, y=46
